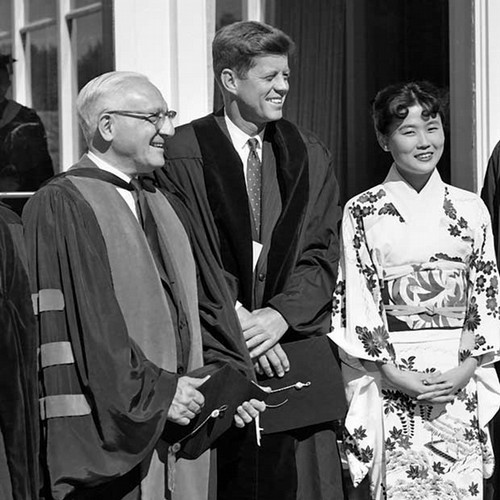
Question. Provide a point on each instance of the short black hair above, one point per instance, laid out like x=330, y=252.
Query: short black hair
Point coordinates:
x=392, y=102
x=236, y=45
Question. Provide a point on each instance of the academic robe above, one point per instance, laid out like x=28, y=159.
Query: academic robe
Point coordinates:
x=296, y=270
x=25, y=162
x=111, y=345
x=491, y=197
x=18, y=387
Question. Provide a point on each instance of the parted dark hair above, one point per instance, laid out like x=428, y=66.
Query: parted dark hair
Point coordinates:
x=236, y=45
x=392, y=102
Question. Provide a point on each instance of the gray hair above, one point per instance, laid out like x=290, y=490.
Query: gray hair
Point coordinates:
x=94, y=98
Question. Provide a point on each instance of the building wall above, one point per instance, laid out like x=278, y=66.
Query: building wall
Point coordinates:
x=169, y=41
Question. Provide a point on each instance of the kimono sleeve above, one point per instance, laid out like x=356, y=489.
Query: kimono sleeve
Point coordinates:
x=359, y=326
x=481, y=331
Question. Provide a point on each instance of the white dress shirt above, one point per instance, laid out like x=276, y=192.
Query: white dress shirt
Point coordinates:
x=124, y=193
x=240, y=142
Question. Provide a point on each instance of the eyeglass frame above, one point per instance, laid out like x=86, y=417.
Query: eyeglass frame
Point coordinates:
x=160, y=116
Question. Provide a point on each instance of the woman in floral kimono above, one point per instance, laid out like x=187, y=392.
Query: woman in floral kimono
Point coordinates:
x=417, y=318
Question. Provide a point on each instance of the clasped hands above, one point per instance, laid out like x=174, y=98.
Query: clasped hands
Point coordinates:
x=188, y=402
x=432, y=388
x=262, y=329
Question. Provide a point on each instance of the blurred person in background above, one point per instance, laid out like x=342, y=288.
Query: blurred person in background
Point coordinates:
x=24, y=158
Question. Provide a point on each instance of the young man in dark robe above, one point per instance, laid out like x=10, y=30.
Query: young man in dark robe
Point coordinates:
x=25, y=162
x=491, y=197
x=120, y=297
x=18, y=373
x=268, y=196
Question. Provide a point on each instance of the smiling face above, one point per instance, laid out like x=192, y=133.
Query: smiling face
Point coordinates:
x=416, y=144
x=136, y=145
x=258, y=96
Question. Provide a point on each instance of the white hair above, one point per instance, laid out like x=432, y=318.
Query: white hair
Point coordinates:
x=95, y=95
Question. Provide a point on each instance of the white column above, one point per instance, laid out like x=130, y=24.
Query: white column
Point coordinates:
x=169, y=42
x=254, y=10
x=68, y=127
x=195, y=32
x=20, y=85
x=487, y=81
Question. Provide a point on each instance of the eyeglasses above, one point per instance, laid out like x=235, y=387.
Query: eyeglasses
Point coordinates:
x=156, y=119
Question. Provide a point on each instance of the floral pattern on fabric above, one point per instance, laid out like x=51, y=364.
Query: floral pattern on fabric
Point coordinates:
x=418, y=287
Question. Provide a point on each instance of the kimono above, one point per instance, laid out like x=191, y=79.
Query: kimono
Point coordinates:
x=418, y=288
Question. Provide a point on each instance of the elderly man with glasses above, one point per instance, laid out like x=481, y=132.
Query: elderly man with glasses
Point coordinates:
x=126, y=309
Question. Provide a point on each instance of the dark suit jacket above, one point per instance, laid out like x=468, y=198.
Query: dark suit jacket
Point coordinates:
x=491, y=194
x=297, y=270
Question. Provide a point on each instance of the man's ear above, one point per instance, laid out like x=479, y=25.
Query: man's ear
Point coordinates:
x=106, y=127
x=228, y=80
x=383, y=141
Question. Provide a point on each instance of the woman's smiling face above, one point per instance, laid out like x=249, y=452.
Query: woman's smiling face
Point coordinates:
x=416, y=144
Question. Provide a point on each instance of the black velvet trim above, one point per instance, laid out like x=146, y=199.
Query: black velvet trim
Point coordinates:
x=292, y=168
x=228, y=199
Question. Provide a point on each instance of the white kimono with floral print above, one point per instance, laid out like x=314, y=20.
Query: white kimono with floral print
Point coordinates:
x=418, y=287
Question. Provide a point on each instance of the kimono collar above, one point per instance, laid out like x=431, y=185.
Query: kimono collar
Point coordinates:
x=395, y=182
x=428, y=199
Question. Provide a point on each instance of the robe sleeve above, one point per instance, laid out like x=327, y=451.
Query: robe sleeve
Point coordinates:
x=481, y=332
x=491, y=195
x=220, y=327
x=359, y=325
x=18, y=377
x=111, y=402
x=305, y=299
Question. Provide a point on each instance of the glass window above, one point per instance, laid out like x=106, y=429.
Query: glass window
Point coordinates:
x=43, y=55
x=5, y=27
x=76, y=4
x=91, y=49
x=226, y=12
x=40, y=9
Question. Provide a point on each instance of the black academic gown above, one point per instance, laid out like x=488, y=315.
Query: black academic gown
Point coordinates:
x=491, y=196
x=297, y=270
x=18, y=374
x=110, y=341
x=25, y=162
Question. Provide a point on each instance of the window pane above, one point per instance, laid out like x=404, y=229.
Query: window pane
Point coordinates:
x=43, y=56
x=90, y=53
x=89, y=48
x=228, y=11
x=75, y=4
x=40, y=9
x=5, y=27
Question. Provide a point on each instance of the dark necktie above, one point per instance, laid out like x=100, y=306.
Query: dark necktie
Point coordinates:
x=148, y=225
x=254, y=182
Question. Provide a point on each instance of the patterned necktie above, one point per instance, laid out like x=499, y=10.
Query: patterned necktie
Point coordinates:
x=254, y=182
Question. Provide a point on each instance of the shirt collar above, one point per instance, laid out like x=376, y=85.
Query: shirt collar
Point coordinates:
x=240, y=138
x=104, y=165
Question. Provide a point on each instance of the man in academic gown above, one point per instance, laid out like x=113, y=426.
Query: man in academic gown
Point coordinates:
x=25, y=162
x=116, y=292
x=18, y=374
x=491, y=197
x=267, y=193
